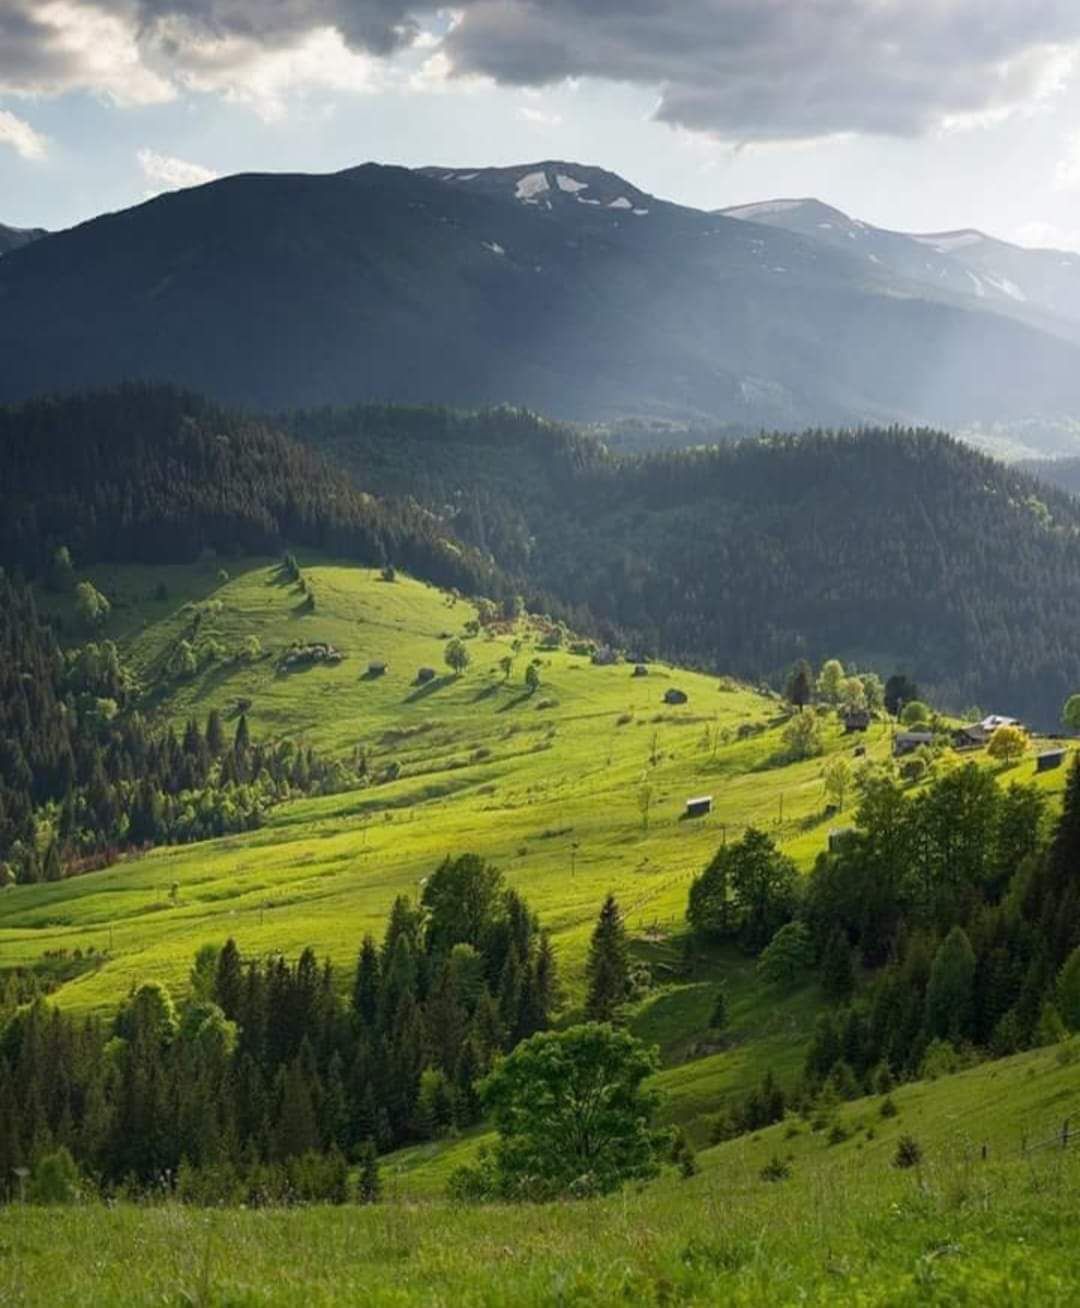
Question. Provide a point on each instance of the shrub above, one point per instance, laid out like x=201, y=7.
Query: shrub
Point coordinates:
x=838, y=1134
x=55, y=1179
x=776, y=1169
x=888, y=1107
x=908, y=1152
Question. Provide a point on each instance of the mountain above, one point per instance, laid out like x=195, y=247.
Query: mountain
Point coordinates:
x=12, y=238
x=967, y=263
x=888, y=548
x=552, y=285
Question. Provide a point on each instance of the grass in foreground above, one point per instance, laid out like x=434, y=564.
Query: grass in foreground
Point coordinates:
x=846, y=1227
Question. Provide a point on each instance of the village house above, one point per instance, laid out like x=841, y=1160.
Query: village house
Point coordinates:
x=906, y=742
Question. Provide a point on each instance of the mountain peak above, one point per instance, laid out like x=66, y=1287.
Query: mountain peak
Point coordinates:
x=550, y=182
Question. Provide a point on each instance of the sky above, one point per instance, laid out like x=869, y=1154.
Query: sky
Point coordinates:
x=922, y=115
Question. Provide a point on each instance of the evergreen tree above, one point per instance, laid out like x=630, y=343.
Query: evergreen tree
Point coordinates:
x=369, y=1184
x=607, y=967
x=837, y=969
x=366, y=989
x=950, y=990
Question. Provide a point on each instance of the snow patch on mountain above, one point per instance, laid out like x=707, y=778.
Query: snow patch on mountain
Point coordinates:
x=531, y=187
x=621, y=203
x=570, y=184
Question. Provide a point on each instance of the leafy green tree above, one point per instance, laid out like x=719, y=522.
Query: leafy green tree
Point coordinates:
x=838, y=778
x=203, y=972
x=749, y=890
x=873, y=691
x=1070, y=713
x=830, y=684
x=532, y=677
x=1008, y=744
x=852, y=695
x=463, y=898
x=91, y=606
x=802, y=735
x=572, y=1114
x=787, y=955
x=607, y=967
x=456, y=656
x=950, y=991
x=914, y=713
x=719, y=1017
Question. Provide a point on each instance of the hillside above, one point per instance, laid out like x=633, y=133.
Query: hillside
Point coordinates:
x=12, y=238
x=966, y=263
x=886, y=548
x=552, y=285
x=846, y=1227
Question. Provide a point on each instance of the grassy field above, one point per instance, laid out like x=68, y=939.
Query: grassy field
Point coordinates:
x=846, y=1226
x=547, y=785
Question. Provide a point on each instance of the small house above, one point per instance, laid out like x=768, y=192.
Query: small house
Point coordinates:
x=376, y=669
x=674, y=696
x=906, y=742
x=640, y=670
x=699, y=807
x=970, y=737
x=424, y=675
x=856, y=720
x=1049, y=759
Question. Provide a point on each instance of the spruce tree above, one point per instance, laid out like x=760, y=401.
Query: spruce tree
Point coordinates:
x=369, y=1185
x=607, y=968
x=366, y=989
x=718, y=1019
x=837, y=970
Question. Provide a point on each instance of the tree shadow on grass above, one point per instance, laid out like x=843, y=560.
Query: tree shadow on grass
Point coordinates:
x=518, y=700
x=426, y=688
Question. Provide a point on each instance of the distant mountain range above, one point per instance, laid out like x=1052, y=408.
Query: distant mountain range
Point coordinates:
x=551, y=285
x=966, y=263
x=11, y=238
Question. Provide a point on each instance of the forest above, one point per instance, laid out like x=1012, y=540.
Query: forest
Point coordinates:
x=892, y=548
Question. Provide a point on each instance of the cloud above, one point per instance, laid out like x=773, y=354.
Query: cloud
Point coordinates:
x=767, y=70
x=1067, y=173
x=741, y=71
x=21, y=137
x=171, y=174
x=1045, y=235
x=539, y=117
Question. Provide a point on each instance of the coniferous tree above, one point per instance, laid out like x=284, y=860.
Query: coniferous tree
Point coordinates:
x=607, y=967
x=837, y=969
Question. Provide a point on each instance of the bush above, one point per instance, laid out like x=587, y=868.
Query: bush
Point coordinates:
x=776, y=1169
x=908, y=1152
x=838, y=1134
x=55, y=1179
x=888, y=1107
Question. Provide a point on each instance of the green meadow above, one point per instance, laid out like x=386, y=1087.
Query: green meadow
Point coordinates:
x=549, y=785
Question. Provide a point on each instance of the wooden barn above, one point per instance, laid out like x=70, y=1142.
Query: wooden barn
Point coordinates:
x=699, y=807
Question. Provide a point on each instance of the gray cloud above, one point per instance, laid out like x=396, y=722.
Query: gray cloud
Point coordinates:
x=781, y=69
x=747, y=70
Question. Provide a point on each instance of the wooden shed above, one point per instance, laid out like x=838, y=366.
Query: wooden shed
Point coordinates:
x=699, y=807
x=1049, y=759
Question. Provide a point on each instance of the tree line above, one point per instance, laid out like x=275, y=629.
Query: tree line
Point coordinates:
x=270, y=1078
x=84, y=775
x=943, y=926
